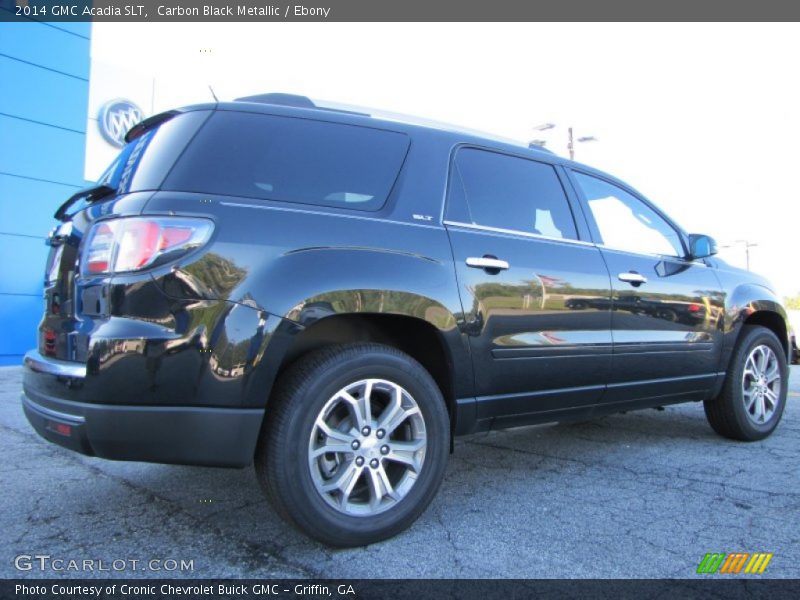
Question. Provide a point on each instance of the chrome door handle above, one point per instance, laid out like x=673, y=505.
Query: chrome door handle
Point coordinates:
x=632, y=277
x=487, y=263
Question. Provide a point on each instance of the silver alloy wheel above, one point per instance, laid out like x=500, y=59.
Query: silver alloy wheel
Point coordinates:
x=761, y=384
x=367, y=447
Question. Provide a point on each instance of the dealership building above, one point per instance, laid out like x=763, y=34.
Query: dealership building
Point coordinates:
x=62, y=119
x=45, y=70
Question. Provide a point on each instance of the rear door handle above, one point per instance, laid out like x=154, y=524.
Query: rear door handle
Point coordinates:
x=633, y=278
x=486, y=262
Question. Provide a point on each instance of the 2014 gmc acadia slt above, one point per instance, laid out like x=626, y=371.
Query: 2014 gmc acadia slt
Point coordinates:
x=334, y=297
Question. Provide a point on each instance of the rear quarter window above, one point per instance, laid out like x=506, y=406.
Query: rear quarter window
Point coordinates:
x=143, y=163
x=291, y=160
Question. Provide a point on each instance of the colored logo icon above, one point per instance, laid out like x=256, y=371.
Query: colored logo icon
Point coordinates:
x=734, y=563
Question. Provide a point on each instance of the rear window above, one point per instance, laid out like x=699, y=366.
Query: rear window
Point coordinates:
x=291, y=160
x=143, y=163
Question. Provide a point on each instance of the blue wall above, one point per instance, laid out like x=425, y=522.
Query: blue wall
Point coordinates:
x=44, y=97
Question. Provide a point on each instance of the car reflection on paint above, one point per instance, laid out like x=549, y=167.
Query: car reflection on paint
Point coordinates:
x=674, y=311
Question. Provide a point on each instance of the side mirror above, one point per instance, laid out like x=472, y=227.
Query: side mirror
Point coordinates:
x=701, y=246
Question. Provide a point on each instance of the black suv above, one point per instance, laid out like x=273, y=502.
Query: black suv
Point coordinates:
x=335, y=297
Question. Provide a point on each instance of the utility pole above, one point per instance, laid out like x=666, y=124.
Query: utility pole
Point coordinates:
x=747, y=245
x=570, y=145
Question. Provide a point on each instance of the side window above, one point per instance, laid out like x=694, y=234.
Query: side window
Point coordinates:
x=625, y=222
x=291, y=160
x=511, y=193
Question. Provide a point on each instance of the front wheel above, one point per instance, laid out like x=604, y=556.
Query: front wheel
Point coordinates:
x=355, y=445
x=751, y=403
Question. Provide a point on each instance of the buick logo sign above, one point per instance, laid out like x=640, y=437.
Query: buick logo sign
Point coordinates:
x=116, y=118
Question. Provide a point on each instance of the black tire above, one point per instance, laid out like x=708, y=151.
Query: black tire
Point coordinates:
x=726, y=413
x=282, y=459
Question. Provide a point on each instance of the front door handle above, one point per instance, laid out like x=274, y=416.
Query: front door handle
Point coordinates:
x=489, y=263
x=632, y=277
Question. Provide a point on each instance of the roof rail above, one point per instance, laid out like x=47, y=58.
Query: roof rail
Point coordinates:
x=280, y=100
x=296, y=101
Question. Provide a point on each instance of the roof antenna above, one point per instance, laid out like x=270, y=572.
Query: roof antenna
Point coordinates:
x=212, y=93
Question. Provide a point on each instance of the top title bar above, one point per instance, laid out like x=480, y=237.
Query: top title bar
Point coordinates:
x=399, y=10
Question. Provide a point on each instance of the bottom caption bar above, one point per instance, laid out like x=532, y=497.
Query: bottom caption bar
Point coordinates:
x=416, y=589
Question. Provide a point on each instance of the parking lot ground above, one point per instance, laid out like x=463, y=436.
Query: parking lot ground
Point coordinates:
x=644, y=494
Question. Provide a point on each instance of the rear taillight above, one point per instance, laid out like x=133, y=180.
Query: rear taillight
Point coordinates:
x=98, y=253
x=131, y=244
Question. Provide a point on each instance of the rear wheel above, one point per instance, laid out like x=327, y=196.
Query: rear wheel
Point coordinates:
x=751, y=403
x=356, y=443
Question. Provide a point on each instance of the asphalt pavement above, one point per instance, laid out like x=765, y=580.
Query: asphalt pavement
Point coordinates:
x=644, y=494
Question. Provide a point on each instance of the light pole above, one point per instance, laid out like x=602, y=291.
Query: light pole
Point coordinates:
x=747, y=245
x=570, y=138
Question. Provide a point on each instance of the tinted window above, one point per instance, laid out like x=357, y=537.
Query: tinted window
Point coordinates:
x=512, y=193
x=143, y=163
x=292, y=160
x=625, y=222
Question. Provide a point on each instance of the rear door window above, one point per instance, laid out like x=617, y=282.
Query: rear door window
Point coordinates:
x=507, y=192
x=291, y=160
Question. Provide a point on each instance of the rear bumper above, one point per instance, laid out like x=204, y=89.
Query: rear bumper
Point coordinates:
x=191, y=435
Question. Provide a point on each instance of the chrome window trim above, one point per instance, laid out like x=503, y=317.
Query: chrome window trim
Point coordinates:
x=682, y=259
x=536, y=236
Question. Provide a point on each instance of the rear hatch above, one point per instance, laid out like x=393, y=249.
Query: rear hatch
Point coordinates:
x=74, y=303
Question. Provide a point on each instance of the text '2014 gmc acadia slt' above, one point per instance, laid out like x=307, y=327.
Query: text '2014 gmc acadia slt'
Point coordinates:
x=334, y=297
